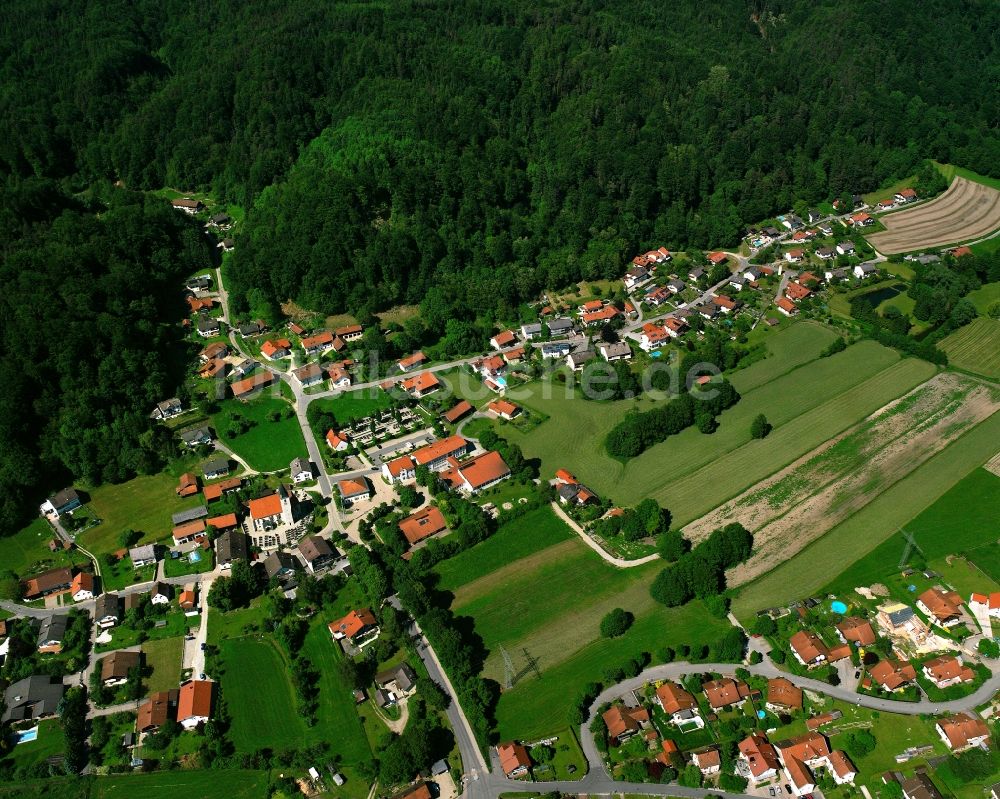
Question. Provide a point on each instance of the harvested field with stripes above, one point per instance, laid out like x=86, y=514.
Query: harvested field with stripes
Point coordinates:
x=965, y=212
x=975, y=347
x=804, y=501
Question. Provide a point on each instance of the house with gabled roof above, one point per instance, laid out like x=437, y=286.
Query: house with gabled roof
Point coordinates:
x=786, y=306
x=783, y=696
x=421, y=385
x=678, y=705
x=51, y=633
x=759, y=758
x=514, y=759
x=856, y=630
x=356, y=489
x=892, y=674
x=800, y=757
x=411, y=362
x=158, y=708
x=422, y=524
x=942, y=607
x=276, y=349
x=316, y=552
x=503, y=339
x=359, y=626
x=947, y=670
x=624, y=722
x=337, y=441
x=195, y=703
x=317, y=343
x=82, y=587
x=962, y=731
x=477, y=474
x=725, y=692
x=459, y=411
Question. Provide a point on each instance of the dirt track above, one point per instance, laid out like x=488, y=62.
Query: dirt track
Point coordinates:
x=811, y=496
x=965, y=212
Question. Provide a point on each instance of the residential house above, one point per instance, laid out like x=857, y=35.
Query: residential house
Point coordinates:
x=34, y=697
x=826, y=253
x=559, y=326
x=189, y=532
x=960, y=252
x=808, y=648
x=635, y=277
x=280, y=566
x=411, y=362
x=108, y=610
x=675, y=326
x=504, y=409
x=814, y=216
x=215, y=469
x=215, y=491
x=577, y=360
x=675, y=286
x=477, y=474
x=358, y=626
x=421, y=385
x=144, y=555
x=800, y=757
x=896, y=618
x=786, y=306
x=905, y=196
x=300, y=470
x=217, y=349
x=422, y=524
x=624, y=722
x=62, y=502
x=727, y=304
x=845, y=247
x=861, y=271
x=161, y=593
x=797, y=292
x=355, y=490
x=493, y=367
x=708, y=761
x=920, y=786
x=736, y=283
x=783, y=696
x=963, y=731
x=753, y=274
x=214, y=368
x=555, y=349
x=603, y=316
x=276, y=349
x=316, y=552
x=188, y=206
x=856, y=631
x=317, y=343
x=309, y=375
x=200, y=283
x=244, y=367
x=196, y=437
x=273, y=510
x=861, y=220
x=194, y=703
x=338, y=442
x=695, y=274
x=188, y=600
x=725, y=692
x=514, y=759
x=82, y=587
x=459, y=411
x=988, y=604
x=400, y=679
x=230, y=547
x=400, y=469
x=794, y=256
x=944, y=608
x=892, y=674
x=657, y=296
x=207, y=326
x=163, y=410
x=837, y=275
x=531, y=331
x=948, y=670
x=503, y=339
x=227, y=245
x=654, y=336
x=157, y=710
x=716, y=258
x=48, y=582
x=792, y=222
x=617, y=351
x=51, y=633
x=679, y=705
x=251, y=329
x=826, y=228
x=247, y=387
x=350, y=333
x=116, y=667
x=227, y=521
x=886, y=205
x=759, y=759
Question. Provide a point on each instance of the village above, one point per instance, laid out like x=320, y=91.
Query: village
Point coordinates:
x=404, y=467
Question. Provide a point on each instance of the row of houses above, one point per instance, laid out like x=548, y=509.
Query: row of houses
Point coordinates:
x=448, y=457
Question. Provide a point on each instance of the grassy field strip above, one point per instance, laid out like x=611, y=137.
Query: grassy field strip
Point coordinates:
x=805, y=500
x=194, y=784
x=975, y=347
x=697, y=493
x=164, y=658
x=787, y=351
x=852, y=539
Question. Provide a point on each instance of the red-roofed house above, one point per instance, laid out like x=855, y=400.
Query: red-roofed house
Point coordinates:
x=357, y=626
x=892, y=674
x=678, y=705
x=708, y=761
x=279, y=348
x=962, y=731
x=947, y=670
x=422, y=524
x=624, y=722
x=725, y=692
x=944, y=608
x=504, y=339
x=786, y=306
x=421, y=385
x=796, y=291
x=905, y=196
x=354, y=490
x=82, y=587
x=760, y=757
x=605, y=314
x=477, y=474
x=717, y=258
x=194, y=703
x=801, y=756
x=654, y=336
x=504, y=409
x=514, y=759
x=338, y=442
x=411, y=362
x=794, y=256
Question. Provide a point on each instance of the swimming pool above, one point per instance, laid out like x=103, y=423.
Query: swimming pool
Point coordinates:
x=25, y=736
x=501, y=381
x=838, y=607
x=194, y=557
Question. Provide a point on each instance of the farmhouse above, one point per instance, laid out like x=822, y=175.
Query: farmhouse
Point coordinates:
x=423, y=524
x=318, y=343
x=514, y=759
x=248, y=386
x=503, y=339
x=194, y=703
x=624, y=722
x=477, y=474
x=504, y=409
x=188, y=206
x=962, y=731
x=187, y=485
x=279, y=348
x=783, y=696
x=316, y=552
x=82, y=587
x=354, y=490
x=944, y=608
x=461, y=409
x=892, y=674
x=216, y=490
x=801, y=756
x=759, y=758
x=357, y=626
x=48, y=582
x=947, y=670
x=421, y=385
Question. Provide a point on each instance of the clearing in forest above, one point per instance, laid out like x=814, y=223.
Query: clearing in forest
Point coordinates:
x=965, y=212
x=802, y=502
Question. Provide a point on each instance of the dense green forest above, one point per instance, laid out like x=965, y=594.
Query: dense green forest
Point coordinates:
x=460, y=155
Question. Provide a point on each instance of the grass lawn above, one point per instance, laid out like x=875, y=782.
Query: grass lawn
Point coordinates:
x=189, y=784
x=267, y=714
x=177, y=625
x=116, y=577
x=49, y=743
x=950, y=171
x=975, y=347
x=267, y=446
x=178, y=567
x=65, y=788
x=985, y=297
x=355, y=404
x=164, y=658
x=550, y=601
x=27, y=550
x=888, y=191
x=856, y=538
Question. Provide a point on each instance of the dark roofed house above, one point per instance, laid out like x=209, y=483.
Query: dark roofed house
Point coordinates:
x=64, y=501
x=196, y=436
x=116, y=666
x=208, y=326
x=107, y=610
x=157, y=710
x=34, y=697
x=401, y=677
x=280, y=565
x=317, y=552
x=231, y=546
x=48, y=582
x=143, y=555
x=214, y=469
x=251, y=329
x=51, y=633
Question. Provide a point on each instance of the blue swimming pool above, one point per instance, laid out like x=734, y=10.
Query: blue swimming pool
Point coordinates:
x=195, y=556
x=656, y=354
x=838, y=607
x=26, y=736
x=501, y=381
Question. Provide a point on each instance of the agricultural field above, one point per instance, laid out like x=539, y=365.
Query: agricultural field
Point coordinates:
x=985, y=297
x=163, y=659
x=966, y=211
x=975, y=347
x=548, y=604
x=268, y=445
x=189, y=784
x=858, y=537
x=811, y=496
x=807, y=399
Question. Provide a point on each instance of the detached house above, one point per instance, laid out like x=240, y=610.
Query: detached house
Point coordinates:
x=82, y=587
x=230, y=547
x=422, y=524
x=301, y=470
x=514, y=759
x=116, y=667
x=187, y=205
x=800, y=757
x=905, y=196
x=943, y=608
x=845, y=247
x=624, y=722
x=783, y=696
x=51, y=633
x=194, y=703
x=857, y=631
x=892, y=674
x=502, y=340
x=759, y=757
x=107, y=610
x=350, y=333
x=358, y=627
x=962, y=731
x=309, y=375
x=411, y=362
x=316, y=552
x=635, y=277
x=319, y=343
x=143, y=556
x=861, y=271
x=947, y=670
x=680, y=706
x=208, y=326
x=67, y=500
x=338, y=442
x=356, y=490
x=725, y=692
x=618, y=351
x=279, y=348
x=421, y=385
x=531, y=331
x=862, y=220
x=786, y=306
